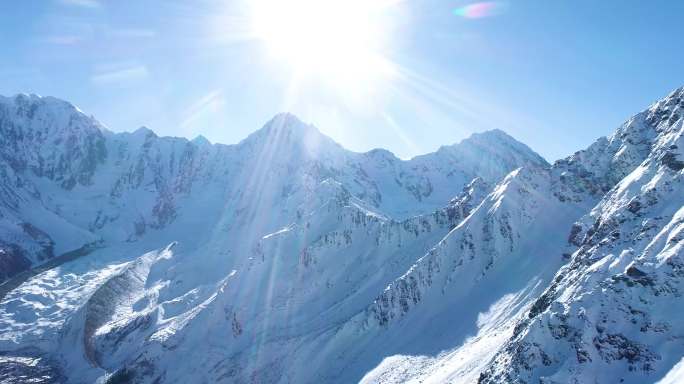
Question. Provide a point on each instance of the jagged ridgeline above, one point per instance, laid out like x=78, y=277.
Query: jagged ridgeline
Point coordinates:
x=129, y=257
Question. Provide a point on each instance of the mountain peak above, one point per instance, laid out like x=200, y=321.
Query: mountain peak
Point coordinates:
x=200, y=140
x=30, y=102
x=494, y=137
x=667, y=107
x=381, y=153
x=677, y=93
x=494, y=143
x=288, y=122
x=287, y=132
x=144, y=132
x=60, y=114
x=493, y=133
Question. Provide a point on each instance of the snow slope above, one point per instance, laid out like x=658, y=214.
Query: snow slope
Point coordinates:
x=54, y=158
x=612, y=312
x=286, y=258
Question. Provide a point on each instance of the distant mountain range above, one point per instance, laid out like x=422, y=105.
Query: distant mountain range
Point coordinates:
x=285, y=258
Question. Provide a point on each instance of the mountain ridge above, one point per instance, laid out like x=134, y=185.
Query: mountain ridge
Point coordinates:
x=277, y=118
x=290, y=259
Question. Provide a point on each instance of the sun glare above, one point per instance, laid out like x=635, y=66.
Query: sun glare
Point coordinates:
x=341, y=40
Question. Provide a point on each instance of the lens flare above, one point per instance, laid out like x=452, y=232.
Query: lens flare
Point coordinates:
x=481, y=10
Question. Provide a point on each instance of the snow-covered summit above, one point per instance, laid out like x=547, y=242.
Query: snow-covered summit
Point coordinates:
x=497, y=143
x=287, y=258
x=138, y=182
x=609, y=315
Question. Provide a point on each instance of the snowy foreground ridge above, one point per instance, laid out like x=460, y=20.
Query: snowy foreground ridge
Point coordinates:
x=128, y=257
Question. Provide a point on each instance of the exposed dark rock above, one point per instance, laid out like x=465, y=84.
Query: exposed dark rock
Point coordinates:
x=122, y=376
x=32, y=368
x=13, y=260
x=618, y=347
x=670, y=160
x=634, y=206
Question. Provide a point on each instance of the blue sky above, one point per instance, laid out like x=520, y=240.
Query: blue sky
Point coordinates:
x=555, y=74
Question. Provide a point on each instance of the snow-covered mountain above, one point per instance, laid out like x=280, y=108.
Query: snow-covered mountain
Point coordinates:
x=613, y=313
x=285, y=258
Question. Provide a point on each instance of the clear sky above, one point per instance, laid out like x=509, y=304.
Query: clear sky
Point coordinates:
x=555, y=74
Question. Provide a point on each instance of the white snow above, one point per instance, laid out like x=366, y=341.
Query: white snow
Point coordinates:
x=286, y=258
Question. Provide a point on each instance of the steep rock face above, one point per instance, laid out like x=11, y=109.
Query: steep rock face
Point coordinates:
x=23, y=369
x=137, y=184
x=119, y=306
x=15, y=258
x=492, y=255
x=299, y=261
x=606, y=162
x=485, y=152
x=490, y=156
x=51, y=139
x=265, y=227
x=610, y=313
x=41, y=138
x=334, y=258
x=496, y=229
x=579, y=181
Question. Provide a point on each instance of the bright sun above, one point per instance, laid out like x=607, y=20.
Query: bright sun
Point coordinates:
x=336, y=39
